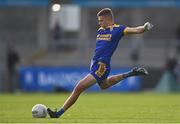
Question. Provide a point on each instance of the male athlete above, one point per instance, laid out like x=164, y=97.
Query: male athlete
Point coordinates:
x=108, y=36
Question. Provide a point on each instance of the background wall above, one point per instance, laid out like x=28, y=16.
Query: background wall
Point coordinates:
x=27, y=26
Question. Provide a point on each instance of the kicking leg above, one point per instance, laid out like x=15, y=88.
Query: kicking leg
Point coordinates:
x=112, y=80
x=82, y=85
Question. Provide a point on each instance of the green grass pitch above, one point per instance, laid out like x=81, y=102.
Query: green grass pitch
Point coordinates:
x=94, y=108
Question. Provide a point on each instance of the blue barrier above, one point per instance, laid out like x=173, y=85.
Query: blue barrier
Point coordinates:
x=49, y=79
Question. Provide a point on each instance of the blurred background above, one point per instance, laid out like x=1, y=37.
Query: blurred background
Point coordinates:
x=46, y=45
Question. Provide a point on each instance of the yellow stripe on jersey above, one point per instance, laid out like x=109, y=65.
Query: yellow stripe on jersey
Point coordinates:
x=115, y=25
x=125, y=31
x=111, y=27
x=101, y=70
x=101, y=28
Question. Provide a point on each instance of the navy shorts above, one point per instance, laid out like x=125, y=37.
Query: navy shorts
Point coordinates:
x=100, y=71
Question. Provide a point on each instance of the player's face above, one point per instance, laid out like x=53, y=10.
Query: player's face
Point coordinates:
x=103, y=21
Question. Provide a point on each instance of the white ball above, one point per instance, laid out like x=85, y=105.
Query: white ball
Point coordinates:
x=39, y=111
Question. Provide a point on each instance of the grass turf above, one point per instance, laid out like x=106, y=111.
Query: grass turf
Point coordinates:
x=94, y=108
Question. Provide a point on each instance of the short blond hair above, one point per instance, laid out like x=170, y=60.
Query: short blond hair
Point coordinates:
x=106, y=12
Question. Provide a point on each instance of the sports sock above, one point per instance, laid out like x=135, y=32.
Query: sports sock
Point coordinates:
x=60, y=112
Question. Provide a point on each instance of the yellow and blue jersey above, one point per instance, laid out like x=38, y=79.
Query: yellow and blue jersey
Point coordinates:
x=106, y=43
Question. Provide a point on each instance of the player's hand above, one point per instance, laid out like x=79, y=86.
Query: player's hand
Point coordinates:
x=148, y=26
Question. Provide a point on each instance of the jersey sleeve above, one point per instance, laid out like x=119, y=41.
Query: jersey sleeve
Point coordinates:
x=122, y=29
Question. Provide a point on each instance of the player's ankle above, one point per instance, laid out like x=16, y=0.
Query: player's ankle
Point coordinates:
x=60, y=112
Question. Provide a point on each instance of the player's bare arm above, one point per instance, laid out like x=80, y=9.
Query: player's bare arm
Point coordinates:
x=138, y=30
